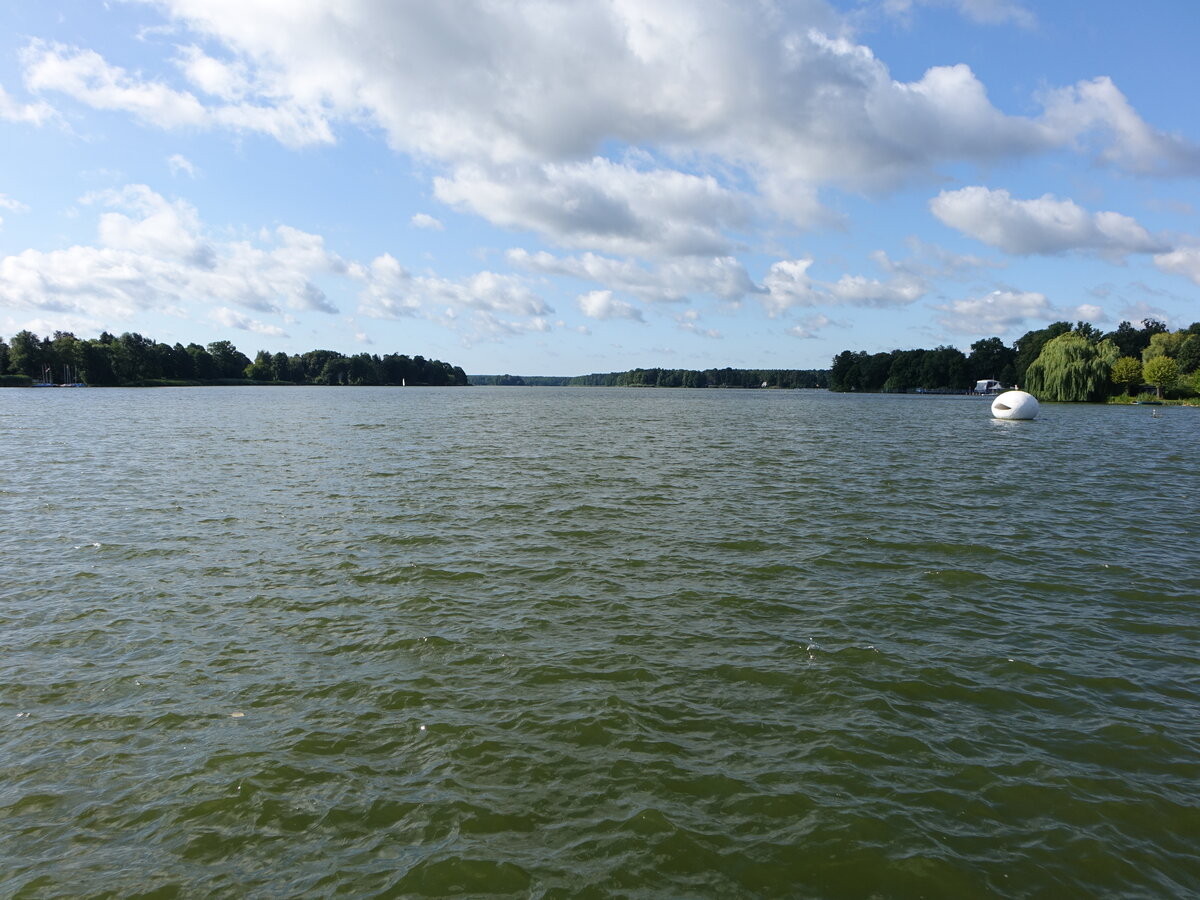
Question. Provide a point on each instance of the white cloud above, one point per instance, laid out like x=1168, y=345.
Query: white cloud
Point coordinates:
x=158, y=227
x=495, y=304
x=1046, y=225
x=29, y=113
x=12, y=205
x=233, y=319
x=738, y=108
x=1096, y=114
x=810, y=327
x=1183, y=261
x=608, y=206
x=1089, y=312
x=601, y=305
x=996, y=313
x=857, y=290
x=788, y=284
x=85, y=76
x=152, y=253
x=929, y=261
x=424, y=220
x=181, y=165
x=986, y=12
x=690, y=322
x=228, y=81
x=722, y=277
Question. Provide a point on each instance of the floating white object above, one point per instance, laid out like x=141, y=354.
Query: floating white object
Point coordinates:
x=1015, y=405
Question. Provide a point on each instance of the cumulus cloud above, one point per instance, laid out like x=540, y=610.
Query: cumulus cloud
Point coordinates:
x=12, y=205
x=788, y=284
x=986, y=12
x=228, y=81
x=810, y=326
x=996, y=313
x=1045, y=225
x=608, y=206
x=601, y=305
x=494, y=305
x=157, y=227
x=152, y=253
x=426, y=221
x=181, y=165
x=738, y=109
x=1183, y=261
x=88, y=78
x=722, y=277
x=690, y=322
x=233, y=319
x=29, y=113
x=1096, y=115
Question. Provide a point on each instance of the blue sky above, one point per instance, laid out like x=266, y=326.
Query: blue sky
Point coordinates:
x=562, y=188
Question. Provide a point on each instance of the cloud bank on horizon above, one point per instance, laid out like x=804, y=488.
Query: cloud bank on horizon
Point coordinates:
x=562, y=188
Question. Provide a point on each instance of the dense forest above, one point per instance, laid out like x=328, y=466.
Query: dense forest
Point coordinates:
x=132, y=359
x=1059, y=362
x=691, y=378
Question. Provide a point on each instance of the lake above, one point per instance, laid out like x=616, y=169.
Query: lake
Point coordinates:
x=556, y=642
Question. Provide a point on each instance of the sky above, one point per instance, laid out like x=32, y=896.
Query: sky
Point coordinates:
x=558, y=188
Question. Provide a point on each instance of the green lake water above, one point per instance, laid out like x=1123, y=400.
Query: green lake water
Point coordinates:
x=595, y=643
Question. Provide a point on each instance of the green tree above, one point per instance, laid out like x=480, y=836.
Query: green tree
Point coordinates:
x=845, y=372
x=96, y=363
x=231, y=362
x=204, y=366
x=1162, y=372
x=281, y=367
x=260, y=369
x=873, y=371
x=1188, y=356
x=989, y=359
x=1164, y=343
x=944, y=367
x=1071, y=368
x=905, y=373
x=66, y=353
x=1127, y=373
x=25, y=355
x=1029, y=347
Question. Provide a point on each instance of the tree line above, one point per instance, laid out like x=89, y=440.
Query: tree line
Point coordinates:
x=131, y=359
x=1059, y=362
x=670, y=378
x=708, y=378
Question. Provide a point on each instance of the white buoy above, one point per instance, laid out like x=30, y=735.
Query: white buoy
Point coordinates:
x=1015, y=405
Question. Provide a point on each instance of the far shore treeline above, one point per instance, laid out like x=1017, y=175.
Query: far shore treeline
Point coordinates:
x=1062, y=362
x=667, y=378
x=132, y=359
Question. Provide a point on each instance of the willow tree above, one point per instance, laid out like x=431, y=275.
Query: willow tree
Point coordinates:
x=1072, y=368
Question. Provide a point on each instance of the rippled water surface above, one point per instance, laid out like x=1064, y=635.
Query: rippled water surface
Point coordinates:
x=595, y=643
